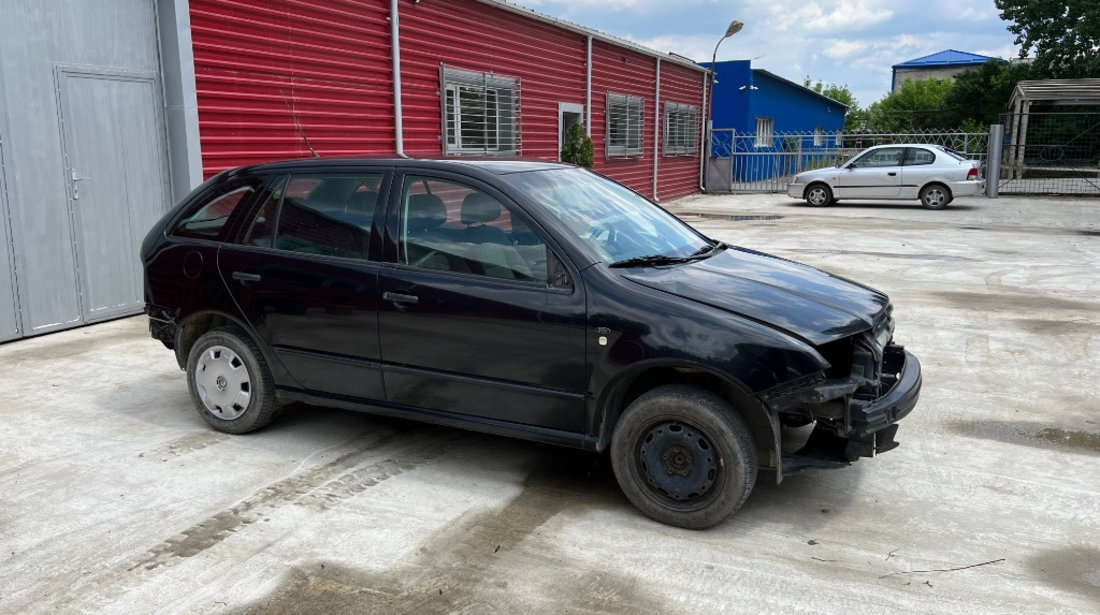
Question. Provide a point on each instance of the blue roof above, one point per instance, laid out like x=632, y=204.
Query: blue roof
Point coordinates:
x=947, y=57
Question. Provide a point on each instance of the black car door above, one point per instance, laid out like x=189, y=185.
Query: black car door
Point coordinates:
x=304, y=276
x=470, y=322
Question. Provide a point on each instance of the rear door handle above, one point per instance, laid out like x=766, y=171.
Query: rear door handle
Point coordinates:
x=400, y=298
x=241, y=276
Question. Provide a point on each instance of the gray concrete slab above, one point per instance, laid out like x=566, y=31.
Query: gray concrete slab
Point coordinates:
x=118, y=499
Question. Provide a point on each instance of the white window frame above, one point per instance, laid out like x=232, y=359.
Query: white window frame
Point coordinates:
x=681, y=129
x=819, y=136
x=765, y=131
x=631, y=111
x=498, y=133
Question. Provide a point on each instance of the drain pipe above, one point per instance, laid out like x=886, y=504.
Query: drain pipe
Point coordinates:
x=395, y=52
x=588, y=90
x=656, y=126
x=704, y=150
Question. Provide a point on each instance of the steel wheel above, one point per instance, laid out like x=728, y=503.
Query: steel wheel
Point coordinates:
x=683, y=456
x=819, y=195
x=935, y=196
x=678, y=462
x=222, y=382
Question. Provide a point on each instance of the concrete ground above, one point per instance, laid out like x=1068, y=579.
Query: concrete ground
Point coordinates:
x=118, y=499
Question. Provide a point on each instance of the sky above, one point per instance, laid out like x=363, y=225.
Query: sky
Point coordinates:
x=846, y=42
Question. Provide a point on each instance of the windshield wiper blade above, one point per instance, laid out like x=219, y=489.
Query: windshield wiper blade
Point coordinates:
x=649, y=259
x=708, y=250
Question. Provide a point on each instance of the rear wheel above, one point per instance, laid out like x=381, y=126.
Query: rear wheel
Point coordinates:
x=683, y=456
x=230, y=383
x=935, y=196
x=819, y=195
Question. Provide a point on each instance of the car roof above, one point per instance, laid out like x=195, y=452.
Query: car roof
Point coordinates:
x=495, y=166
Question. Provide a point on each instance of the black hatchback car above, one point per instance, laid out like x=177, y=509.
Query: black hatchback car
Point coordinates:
x=527, y=299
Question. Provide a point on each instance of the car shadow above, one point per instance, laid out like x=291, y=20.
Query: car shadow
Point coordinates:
x=582, y=480
x=869, y=205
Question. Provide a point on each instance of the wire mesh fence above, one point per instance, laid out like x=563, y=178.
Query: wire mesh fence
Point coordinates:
x=765, y=161
x=1053, y=151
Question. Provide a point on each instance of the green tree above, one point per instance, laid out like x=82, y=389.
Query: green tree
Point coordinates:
x=1065, y=35
x=977, y=97
x=853, y=116
x=916, y=105
x=576, y=147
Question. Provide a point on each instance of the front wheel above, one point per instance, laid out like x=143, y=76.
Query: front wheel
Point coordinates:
x=683, y=456
x=819, y=195
x=229, y=381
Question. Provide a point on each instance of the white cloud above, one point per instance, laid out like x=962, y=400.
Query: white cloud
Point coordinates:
x=825, y=15
x=840, y=49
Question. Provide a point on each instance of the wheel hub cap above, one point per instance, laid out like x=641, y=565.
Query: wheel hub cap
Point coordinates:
x=223, y=383
x=678, y=461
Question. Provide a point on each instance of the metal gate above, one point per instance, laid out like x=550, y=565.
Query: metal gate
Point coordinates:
x=9, y=314
x=1052, y=152
x=766, y=163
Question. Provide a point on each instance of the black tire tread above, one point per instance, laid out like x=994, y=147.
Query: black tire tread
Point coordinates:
x=262, y=407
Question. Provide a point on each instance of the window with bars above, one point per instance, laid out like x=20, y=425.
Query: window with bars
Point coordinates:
x=624, y=125
x=681, y=129
x=765, y=130
x=480, y=113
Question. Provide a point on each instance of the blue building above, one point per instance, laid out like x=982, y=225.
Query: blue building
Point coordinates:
x=942, y=65
x=768, y=125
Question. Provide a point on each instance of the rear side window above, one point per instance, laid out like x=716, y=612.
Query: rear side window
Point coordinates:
x=210, y=220
x=915, y=156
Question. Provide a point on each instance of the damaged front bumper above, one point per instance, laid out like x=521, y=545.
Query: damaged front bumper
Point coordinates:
x=850, y=423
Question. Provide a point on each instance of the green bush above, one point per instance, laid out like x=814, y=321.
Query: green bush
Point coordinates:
x=577, y=147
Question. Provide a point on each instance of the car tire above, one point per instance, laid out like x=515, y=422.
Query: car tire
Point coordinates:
x=230, y=383
x=819, y=195
x=935, y=196
x=683, y=456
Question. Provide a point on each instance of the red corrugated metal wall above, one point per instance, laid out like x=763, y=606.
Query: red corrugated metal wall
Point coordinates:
x=463, y=34
x=330, y=61
x=679, y=175
x=255, y=60
x=622, y=71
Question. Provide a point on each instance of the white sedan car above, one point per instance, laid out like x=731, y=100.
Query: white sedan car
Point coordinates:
x=931, y=173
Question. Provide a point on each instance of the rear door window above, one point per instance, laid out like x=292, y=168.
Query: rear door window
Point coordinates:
x=329, y=214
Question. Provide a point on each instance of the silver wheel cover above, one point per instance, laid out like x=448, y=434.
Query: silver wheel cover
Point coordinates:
x=223, y=383
x=934, y=197
x=816, y=196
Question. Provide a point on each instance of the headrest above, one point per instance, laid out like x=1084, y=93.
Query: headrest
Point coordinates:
x=426, y=211
x=479, y=207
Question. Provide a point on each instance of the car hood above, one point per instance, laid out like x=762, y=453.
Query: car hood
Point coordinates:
x=806, y=176
x=809, y=303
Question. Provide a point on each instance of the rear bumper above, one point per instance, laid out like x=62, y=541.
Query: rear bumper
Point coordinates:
x=967, y=188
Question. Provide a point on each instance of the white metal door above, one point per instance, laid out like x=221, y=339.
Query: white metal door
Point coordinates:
x=116, y=171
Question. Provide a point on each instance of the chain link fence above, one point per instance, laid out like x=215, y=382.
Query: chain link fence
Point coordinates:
x=763, y=162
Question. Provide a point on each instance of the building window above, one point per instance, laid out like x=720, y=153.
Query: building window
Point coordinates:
x=681, y=129
x=838, y=140
x=765, y=128
x=624, y=125
x=480, y=113
x=819, y=136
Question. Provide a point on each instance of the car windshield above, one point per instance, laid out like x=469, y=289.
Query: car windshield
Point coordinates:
x=618, y=224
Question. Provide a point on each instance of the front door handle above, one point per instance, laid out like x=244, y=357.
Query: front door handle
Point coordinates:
x=243, y=277
x=400, y=298
x=892, y=173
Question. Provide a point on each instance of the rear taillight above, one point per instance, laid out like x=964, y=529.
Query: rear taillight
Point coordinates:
x=972, y=174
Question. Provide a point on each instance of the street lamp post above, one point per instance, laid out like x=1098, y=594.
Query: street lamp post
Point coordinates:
x=734, y=27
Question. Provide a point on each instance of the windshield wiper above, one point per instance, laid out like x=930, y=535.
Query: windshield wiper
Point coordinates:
x=662, y=259
x=650, y=259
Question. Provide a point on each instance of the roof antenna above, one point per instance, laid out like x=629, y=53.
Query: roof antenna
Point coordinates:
x=298, y=125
